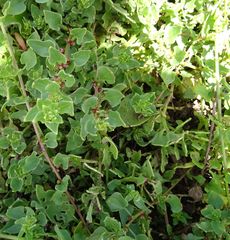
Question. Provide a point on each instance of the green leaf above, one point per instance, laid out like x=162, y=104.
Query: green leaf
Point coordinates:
x=218, y=227
x=141, y=237
x=211, y=213
x=62, y=234
x=35, y=12
x=168, y=76
x=79, y=34
x=113, y=96
x=68, y=78
x=32, y=115
x=51, y=140
x=205, y=226
x=195, y=156
x=88, y=124
x=98, y=234
x=74, y=139
x=30, y=163
x=79, y=232
x=15, y=212
x=179, y=55
x=40, y=47
x=89, y=213
x=116, y=202
x=4, y=143
x=66, y=106
x=79, y=94
x=174, y=203
x=42, y=1
x=215, y=199
x=52, y=126
x=204, y=92
x=128, y=115
x=147, y=169
x=171, y=33
x=82, y=57
x=165, y=139
x=125, y=238
x=114, y=119
x=208, y=23
x=53, y=19
x=106, y=159
x=55, y=57
x=113, y=148
x=105, y=74
x=46, y=86
x=89, y=104
x=87, y=3
x=63, y=186
x=14, y=7
x=117, y=7
x=191, y=236
x=112, y=224
x=143, y=104
x=29, y=59
x=139, y=202
x=16, y=184
x=61, y=160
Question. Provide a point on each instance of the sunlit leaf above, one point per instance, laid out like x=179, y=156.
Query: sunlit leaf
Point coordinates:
x=29, y=59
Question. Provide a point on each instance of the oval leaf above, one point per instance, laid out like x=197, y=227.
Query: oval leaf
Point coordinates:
x=53, y=19
x=29, y=59
x=105, y=74
x=116, y=202
x=82, y=57
x=40, y=47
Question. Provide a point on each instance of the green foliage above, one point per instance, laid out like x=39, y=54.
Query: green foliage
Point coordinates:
x=114, y=119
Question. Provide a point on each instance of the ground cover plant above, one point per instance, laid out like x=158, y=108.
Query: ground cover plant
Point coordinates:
x=114, y=120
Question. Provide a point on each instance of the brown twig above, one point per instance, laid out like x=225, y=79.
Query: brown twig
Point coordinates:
x=177, y=181
x=211, y=133
x=36, y=127
x=133, y=218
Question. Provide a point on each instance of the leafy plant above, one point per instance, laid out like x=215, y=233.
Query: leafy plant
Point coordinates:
x=114, y=120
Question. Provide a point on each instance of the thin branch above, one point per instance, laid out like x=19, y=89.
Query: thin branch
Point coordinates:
x=177, y=181
x=169, y=98
x=133, y=218
x=219, y=114
x=36, y=125
x=10, y=237
x=166, y=219
x=211, y=133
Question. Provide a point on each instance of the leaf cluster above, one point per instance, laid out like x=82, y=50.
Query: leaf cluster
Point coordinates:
x=114, y=119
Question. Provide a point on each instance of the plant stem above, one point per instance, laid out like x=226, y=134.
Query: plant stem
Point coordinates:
x=177, y=181
x=141, y=213
x=218, y=98
x=212, y=129
x=10, y=237
x=219, y=113
x=36, y=125
x=169, y=98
